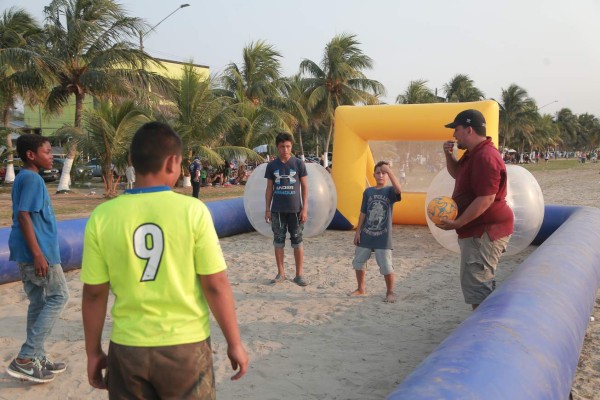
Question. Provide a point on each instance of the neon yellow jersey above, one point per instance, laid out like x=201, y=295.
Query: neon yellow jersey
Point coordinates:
x=151, y=244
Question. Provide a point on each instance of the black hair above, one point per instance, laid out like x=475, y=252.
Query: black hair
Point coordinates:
x=283, y=137
x=28, y=142
x=379, y=164
x=479, y=130
x=151, y=145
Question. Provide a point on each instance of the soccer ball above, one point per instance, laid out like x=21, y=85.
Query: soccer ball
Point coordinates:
x=442, y=207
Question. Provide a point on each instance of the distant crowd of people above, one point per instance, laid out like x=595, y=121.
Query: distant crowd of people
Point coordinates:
x=513, y=157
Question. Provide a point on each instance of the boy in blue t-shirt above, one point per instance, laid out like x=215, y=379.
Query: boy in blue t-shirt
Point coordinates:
x=195, y=168
x=286, y=200
x=33, y=244
x=373, y=233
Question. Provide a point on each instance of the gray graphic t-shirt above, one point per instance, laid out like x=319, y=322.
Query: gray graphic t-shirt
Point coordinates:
x=287, y=196
x=377, y=204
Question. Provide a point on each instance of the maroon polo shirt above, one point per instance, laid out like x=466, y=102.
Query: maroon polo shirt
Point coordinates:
x=482, y=172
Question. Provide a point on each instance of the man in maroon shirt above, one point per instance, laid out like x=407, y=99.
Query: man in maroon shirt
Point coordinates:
x=485, y=221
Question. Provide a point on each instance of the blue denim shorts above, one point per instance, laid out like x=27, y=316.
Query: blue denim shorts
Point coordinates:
x=281, y=223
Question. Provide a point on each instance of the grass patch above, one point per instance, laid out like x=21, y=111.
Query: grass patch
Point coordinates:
x=81, y=201
x=561, y=164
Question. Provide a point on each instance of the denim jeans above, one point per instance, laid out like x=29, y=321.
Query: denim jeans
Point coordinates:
x=47, y=298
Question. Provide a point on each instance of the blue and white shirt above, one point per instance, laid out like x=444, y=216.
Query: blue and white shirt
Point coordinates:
x=287, y=196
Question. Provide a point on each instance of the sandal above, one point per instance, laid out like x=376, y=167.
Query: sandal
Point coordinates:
x=300, y=281
x=278, y=279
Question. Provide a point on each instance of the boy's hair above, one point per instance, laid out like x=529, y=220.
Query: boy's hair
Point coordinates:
x=379, y=164
x=151, y=145
x=283, y=137
x=28, y=142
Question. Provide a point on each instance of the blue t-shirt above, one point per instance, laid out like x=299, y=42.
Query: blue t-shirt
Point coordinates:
x=195, y=166
x=29, y=194
x=286, y=184
x=377, y=204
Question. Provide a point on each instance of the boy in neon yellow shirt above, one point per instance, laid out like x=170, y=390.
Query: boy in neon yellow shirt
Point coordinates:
x=159, y=253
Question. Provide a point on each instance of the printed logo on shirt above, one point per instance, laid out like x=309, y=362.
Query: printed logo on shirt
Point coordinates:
x=290, y=177
x=377, y=212
x=284, y=184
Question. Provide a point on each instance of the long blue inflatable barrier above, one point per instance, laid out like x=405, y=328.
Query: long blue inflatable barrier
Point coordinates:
x=524, y=340
x=228, y=216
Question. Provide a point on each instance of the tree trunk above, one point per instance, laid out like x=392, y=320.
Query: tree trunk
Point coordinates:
x=326, y=152
x=10, y=168
x=522, y=152
x=65, y=176
x=317, y=144
x=300, y=143
x=108, y=174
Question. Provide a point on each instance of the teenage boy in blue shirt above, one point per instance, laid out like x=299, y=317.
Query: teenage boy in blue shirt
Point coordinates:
x=33, y=244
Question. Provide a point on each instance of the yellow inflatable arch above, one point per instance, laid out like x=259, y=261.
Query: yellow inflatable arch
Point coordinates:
x=353, y=161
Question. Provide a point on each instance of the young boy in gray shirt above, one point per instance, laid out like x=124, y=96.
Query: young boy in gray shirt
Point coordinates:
x=373, y=233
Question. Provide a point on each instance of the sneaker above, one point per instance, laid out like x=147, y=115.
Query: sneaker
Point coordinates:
x=54, y=367
x=300, y=281
x=31, y=371
x=278, y=279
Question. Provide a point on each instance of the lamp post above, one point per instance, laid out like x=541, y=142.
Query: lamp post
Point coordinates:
x=142, y=34
x=538, y=109
x=552, y=102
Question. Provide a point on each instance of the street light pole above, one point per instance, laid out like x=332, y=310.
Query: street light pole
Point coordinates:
x=552, y=102
x=142, y=34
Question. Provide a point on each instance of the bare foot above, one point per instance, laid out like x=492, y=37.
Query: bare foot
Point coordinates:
x=358, y=292
x=390, y=298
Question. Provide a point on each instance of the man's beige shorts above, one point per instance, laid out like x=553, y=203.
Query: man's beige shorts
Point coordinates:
x=478, y=260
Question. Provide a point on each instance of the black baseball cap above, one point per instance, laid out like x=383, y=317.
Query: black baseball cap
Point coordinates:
x=472, y=118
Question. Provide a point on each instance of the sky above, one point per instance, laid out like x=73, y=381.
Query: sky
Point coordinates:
x=551, y=48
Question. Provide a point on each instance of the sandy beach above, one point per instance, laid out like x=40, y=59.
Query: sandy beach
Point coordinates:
x=316, y=342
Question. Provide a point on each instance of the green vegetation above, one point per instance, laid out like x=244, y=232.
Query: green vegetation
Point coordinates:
x=86, y=49
x=560, y=164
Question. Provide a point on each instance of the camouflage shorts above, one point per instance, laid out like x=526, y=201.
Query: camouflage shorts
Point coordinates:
x=183, y=371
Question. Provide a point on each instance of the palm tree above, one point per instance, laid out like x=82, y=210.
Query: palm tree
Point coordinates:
x=258, y=78
x=417, y=92
x=547, y=133
x=110, y=128
x=518, y=113
x=589, y=136
x=339, y=80
x=18, y=79
x=569, y=127
x=461, y=89
x=89, y=40
x=293, y=91
x=203, y=118
x=255, y=87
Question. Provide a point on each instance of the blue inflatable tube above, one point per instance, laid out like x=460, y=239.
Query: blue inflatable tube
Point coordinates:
x=554, y=217
x=70, y=242
x=524, y=340
x=228, y=216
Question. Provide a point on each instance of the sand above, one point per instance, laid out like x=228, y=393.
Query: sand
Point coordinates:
x=316, y=342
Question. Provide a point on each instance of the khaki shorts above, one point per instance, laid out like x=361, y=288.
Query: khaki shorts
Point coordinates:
x=170, y=372
x=382, y=256
x=478, y=260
